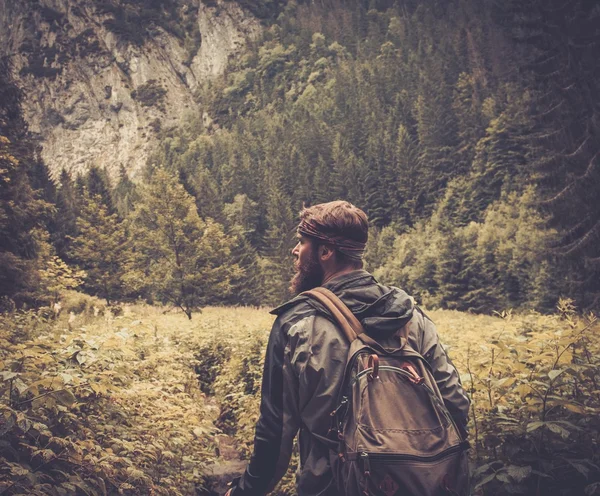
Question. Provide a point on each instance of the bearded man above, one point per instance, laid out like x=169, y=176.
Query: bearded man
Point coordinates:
x=306, y=354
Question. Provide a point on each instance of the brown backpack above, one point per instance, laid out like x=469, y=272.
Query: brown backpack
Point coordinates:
x=396, y=437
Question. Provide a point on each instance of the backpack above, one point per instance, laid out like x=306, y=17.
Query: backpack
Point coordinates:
x=395, y=435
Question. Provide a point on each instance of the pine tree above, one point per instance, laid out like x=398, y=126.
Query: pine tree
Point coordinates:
x=501, y=159
x=470, y=121
x=124, y=195
x=405, y=170
x=437, y=139
x=181, y=259
x=450, y=275
x=278, y=243
x=23, y=212
x=101, y=249
x=63, y=226
x=561, y=39
x=97, y=184
x=242, y=219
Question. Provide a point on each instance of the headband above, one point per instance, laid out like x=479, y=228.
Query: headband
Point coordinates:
x=352, y=249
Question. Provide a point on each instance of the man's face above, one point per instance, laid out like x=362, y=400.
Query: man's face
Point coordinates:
x=309, y=273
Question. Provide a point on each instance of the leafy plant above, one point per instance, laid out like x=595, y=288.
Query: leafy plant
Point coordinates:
x=536, y=407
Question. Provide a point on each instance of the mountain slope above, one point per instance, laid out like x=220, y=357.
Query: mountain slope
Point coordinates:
x=100, y=78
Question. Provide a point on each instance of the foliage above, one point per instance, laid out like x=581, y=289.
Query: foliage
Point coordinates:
x=482, y=266
x=134, y=21
x=535, y=405
x=23, y=211
x=57, y=276
x=566, y=136
x=63, y=226
x=81, y=304
x=211, y=359
x=80, y=408
x=263, y=9
x=181, y=259
x=116, y=402
x=150, y=94
x=411, y=110
x=101, y=249
x=422, y=131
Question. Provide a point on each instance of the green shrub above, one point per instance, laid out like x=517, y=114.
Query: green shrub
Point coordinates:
x=210, y=361
x=149, y=94
x=536, y=428
x=80, y=303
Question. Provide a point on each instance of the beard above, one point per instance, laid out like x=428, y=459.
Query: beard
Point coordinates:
x=308, y=275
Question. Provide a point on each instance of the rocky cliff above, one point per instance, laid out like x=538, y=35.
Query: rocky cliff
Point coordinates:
x=101, y=77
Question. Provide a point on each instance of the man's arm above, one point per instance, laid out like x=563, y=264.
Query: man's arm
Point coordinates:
x=445, y=375
x=278, y=422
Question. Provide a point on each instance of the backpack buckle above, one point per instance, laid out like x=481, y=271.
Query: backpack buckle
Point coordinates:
x=366, y=464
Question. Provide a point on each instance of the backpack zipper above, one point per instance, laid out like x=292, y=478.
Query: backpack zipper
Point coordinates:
x=341, y=405
x=389, y=368
x=408, y=376
x=398, y=457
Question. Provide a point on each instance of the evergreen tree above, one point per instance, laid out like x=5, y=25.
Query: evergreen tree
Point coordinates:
x=470, y=121
x=23, y=212
x=501, y=158
x=101, y=249
x=97, y=184
x=63, y=226
x=414, y=112
x=278, y=243
x=451, y=274
x=124, y=195
x=242, y=218
x=181, y=259
x=437, y=139
x=404, y=180
x=561, y=40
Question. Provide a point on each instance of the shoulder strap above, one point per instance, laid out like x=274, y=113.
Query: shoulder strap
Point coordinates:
x=343, y=308
x=350, y=325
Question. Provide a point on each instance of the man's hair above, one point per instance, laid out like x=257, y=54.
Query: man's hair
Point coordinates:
x=339, y=219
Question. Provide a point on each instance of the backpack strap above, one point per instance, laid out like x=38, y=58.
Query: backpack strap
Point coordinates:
x=343, y=308
x=351, y=326
x=336, y=308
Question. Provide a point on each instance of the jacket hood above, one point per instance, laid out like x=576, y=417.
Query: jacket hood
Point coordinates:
x=382, y=310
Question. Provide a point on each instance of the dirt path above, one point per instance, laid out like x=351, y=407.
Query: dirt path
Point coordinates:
x=229, y=463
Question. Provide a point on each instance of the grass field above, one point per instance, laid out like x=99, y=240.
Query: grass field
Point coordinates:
x=148, y=402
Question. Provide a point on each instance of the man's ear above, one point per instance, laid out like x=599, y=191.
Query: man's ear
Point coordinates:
x=326, y=252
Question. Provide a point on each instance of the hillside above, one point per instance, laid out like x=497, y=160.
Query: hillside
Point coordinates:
x=464, y=129
x=100, y=79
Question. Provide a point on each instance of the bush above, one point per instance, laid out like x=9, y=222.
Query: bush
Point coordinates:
x=500, y=262
x=80, y=303
x=149, y=94
x=536, y=428
x=79, y=413
x=210, y=361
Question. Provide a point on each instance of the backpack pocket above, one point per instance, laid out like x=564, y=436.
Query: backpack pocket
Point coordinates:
x=398, y=474
x=394, y=411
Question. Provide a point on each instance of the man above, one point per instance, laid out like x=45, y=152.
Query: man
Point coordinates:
x=306, y=354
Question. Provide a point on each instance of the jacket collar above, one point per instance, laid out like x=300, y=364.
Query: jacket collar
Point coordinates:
x=334, y=284
x=348, y=279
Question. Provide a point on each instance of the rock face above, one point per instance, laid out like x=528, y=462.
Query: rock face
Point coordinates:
x=101, y=77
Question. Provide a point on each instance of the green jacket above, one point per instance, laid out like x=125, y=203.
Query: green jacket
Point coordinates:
x=304, y=368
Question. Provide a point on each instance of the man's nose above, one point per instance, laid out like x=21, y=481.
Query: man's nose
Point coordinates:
x=295, y=250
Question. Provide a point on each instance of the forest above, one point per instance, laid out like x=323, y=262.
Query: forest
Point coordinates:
x=466, y=130
x=469, y=133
